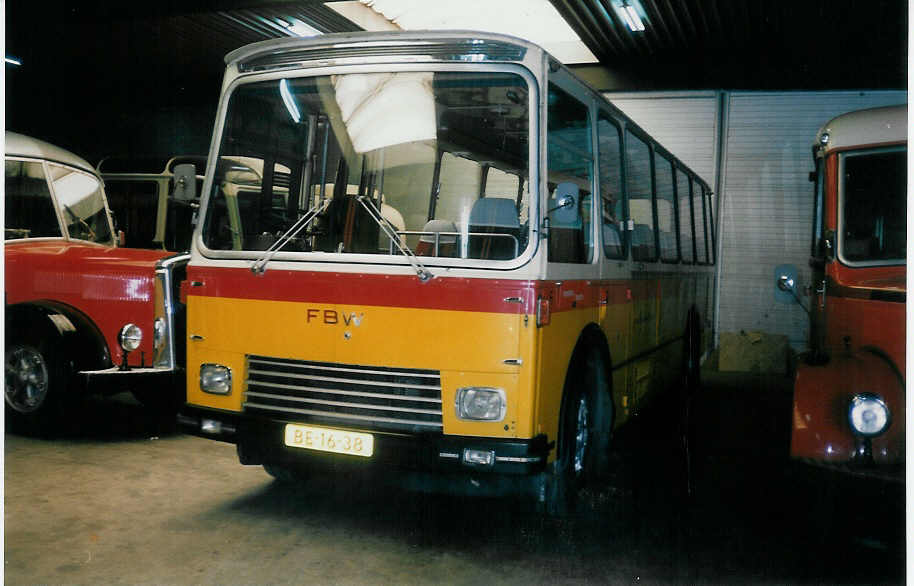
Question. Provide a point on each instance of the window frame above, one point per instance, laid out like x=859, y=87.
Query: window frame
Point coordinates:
x=589, y=232
x=689, y=179
x=668, y=160
x=841, y=196
x=602, y=114
x=645, y=139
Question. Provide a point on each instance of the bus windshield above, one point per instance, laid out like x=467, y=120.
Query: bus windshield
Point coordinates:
x=874, y=207
x=440, y=157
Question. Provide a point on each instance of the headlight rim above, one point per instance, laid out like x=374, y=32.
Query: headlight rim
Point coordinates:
x=130, y=335
x=210, y=389
x=459, y=405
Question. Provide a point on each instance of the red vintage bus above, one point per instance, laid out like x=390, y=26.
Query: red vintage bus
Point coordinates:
x=81, y=314
x=439, y=254
x=849, y=393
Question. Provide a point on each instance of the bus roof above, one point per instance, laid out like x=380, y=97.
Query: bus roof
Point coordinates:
x=873, y=126
x=25, y=146
x=453, y=45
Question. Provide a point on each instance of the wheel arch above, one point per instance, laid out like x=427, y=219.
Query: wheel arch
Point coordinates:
x=591, y=341
x=82, y=341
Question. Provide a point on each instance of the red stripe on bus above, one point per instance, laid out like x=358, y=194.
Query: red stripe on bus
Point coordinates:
x=453, y=293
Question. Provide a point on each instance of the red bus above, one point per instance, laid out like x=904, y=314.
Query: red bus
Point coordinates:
x=81, y=314
x=849, y=393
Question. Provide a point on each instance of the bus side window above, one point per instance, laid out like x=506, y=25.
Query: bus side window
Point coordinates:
x=610, y=174
x=709, y=226
x=570, y=160
x=698, y=209
x=640, y=194
x=686, y=242
x=666, y=208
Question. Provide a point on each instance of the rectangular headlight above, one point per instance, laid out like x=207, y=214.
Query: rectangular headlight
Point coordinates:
x=481, y=404
x=215, y=379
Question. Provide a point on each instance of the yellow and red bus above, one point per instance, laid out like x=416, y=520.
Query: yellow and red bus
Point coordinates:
x=442, y=254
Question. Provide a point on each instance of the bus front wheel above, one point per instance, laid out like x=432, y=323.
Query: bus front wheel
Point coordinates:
x=35, y=381
x=584, y=438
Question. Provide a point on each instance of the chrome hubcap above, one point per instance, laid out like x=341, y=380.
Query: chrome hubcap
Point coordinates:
x=581, y=436
x=26, y=385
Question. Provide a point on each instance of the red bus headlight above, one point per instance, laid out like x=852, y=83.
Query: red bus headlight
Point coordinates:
x=868, y=414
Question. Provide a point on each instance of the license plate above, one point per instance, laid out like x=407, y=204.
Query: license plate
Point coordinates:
x=325, y=439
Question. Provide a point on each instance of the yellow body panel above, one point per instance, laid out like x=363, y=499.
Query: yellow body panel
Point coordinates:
x=468, y=348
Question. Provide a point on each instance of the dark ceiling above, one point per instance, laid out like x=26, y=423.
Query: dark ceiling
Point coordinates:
x=103, y=77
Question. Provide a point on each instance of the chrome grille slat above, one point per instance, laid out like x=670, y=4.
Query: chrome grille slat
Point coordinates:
x=368, y=397
x=347, y=393
x=320, y=366
x=341, y=404
x=344, y=380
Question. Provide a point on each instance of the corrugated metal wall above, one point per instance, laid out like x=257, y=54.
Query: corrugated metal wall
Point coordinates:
x=761, y=149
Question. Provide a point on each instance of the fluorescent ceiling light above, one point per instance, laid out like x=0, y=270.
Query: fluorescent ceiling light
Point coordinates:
x=299, y=29
x=534, y=20
x=13, y=60
x=630, y=15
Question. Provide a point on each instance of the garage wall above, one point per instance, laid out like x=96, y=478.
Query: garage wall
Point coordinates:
x=759, y=147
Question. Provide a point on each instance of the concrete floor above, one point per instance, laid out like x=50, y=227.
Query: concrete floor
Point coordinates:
x=121, y=497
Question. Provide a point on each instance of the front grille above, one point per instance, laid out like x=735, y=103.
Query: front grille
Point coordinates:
x=371, y=397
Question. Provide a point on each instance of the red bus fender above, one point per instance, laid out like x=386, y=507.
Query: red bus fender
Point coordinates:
x=820, y=430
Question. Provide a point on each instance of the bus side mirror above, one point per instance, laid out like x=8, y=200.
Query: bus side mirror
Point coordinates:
x=185, y=182
x=565, y=203
x=786, y=284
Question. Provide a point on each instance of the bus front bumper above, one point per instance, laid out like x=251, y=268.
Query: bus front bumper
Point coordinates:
x=427, y=462
x=117, y=380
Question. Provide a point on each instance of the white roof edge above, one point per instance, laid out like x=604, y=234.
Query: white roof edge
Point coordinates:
x=25, y=146
x=329, y=40
x=872, y=126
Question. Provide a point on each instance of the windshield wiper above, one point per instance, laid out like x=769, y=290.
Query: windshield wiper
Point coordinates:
x=423, y=273
x=260, y=265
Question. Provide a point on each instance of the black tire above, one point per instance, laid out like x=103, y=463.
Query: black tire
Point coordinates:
x=692, y=353
x=585, y=433
x=36, y=377
x=690, y=387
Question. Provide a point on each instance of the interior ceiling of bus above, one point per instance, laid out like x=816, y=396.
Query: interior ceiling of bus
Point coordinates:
x=686, y=44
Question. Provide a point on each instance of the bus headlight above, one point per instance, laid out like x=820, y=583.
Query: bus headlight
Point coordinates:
x=868, y=414
x=215, y=379
x=130, y=337
x=481, y=404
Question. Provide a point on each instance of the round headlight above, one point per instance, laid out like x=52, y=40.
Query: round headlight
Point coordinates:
x=130, y=337
x=868, y=414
